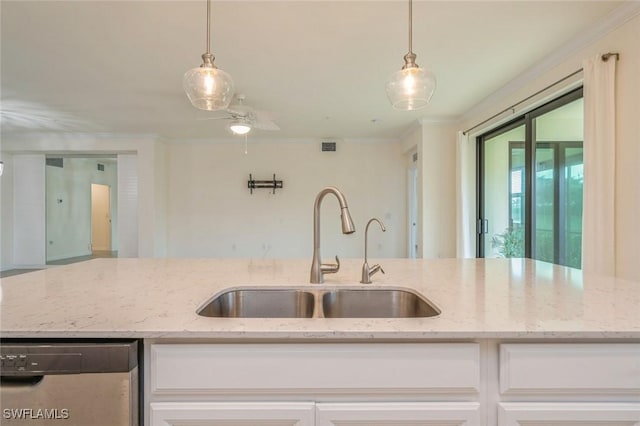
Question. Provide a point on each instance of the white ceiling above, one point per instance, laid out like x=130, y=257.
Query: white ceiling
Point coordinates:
x=320, y=66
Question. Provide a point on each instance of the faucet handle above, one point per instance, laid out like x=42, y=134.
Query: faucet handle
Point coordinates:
x=330, y=268
x=375, y=268
x=367, y=272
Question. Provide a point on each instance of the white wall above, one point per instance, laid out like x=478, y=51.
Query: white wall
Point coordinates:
x=6, y=213
x=68, y=201
x=624, y=40
x=438, y=177
x=128, y=205
x=412, y=143
x=151, y=198
x=29, y=210
x=160, y=202
x=627, y=227
x=145, y=229
x=211, y=212
x=436, y=147
x=208, y=216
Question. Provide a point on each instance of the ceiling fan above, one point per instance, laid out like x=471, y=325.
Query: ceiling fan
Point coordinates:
x=243, y=118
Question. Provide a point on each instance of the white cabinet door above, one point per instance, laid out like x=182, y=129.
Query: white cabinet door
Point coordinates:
x=400, y=413
x=232, y=414
x=569, y=368
x=338, y=368
x=568, y=414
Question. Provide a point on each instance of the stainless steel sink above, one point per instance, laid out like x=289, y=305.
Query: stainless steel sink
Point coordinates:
x=319, y=302
x=260, y=303
x=376, y=303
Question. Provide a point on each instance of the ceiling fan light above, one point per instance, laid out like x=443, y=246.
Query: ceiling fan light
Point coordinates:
x=411, y=88
x=239, y=127
x=208, y=88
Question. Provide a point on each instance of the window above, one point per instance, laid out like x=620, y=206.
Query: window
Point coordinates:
x=530, y=185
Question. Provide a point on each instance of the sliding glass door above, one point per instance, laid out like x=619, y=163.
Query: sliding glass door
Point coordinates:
x=503, y=187
x=530, y=185
x=558, y=203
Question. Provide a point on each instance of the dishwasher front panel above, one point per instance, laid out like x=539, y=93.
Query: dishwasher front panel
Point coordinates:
x=93, y=399
x=88, y=384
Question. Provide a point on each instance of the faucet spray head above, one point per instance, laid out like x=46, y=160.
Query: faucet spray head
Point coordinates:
x=347, y=223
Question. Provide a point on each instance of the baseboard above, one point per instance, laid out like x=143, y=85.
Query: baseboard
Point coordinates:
x=69, y=255
x=27, y=266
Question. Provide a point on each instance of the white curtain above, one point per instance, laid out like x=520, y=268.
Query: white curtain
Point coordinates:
x=465, y=197
x=598, y=223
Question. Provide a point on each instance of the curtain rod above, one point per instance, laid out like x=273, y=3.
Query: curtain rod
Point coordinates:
x=604, y=57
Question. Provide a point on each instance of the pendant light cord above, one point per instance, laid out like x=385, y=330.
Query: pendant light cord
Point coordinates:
x=208, y=26
x=410, y=25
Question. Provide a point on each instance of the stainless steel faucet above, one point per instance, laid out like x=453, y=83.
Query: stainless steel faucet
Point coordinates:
x=366, y=270
x=318, y=269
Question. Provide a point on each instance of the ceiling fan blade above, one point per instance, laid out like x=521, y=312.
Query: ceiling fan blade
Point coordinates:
x=264, y=115
x=264, y=120
x=239, y=110
x=214, y=118
x=266, y=125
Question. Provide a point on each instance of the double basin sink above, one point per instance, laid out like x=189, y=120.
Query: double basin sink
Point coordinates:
x=320, y=302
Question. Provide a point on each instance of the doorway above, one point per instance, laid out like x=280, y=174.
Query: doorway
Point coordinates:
x=69, y=217
x=100, y=218
x=412, y=198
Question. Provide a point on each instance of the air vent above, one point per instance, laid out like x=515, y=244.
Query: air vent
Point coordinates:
x=328, y=146
x=54, y=162
x=101, y=167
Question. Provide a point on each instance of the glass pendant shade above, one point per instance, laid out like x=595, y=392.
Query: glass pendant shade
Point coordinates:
x=208, y=88
x=411, y=88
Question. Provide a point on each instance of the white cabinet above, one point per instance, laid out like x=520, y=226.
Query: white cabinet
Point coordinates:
x=232, y=414
x=310, y=414
x=327, y=368
x=488, y=383
x=557, y=384
x=402, y=413
x=569, y=414
x=569, y=368
x=301, y=384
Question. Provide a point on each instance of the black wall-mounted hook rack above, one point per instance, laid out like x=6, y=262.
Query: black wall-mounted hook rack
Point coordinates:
x=256, y=184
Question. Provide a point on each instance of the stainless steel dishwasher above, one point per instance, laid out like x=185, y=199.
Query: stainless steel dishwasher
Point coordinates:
x=72, y=384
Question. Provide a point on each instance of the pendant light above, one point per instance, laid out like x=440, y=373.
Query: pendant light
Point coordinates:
x=208, y=87
x=412, y=87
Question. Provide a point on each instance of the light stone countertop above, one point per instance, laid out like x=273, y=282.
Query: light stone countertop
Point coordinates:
x=158, y=298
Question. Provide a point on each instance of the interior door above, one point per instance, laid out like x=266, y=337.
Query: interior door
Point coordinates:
x=100, y=217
